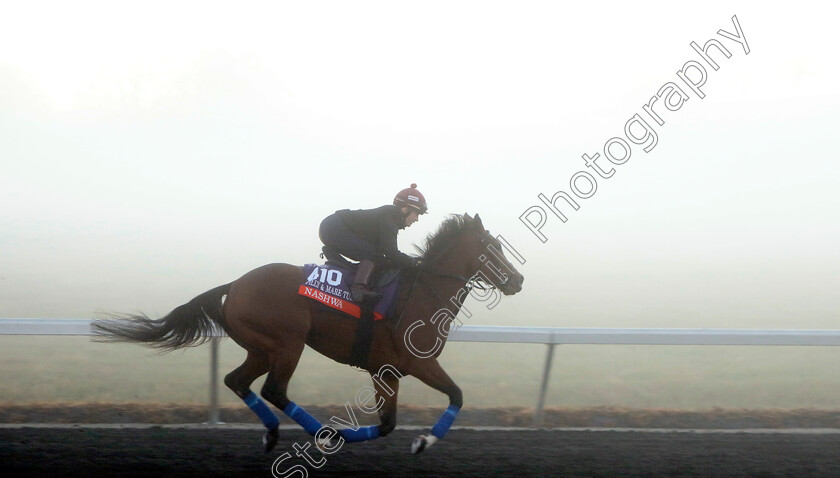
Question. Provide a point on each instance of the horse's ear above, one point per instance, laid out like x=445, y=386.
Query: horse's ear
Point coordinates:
x=478, y=222
x=467, y=217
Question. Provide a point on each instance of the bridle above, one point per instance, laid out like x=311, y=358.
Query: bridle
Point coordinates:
x=475, y=282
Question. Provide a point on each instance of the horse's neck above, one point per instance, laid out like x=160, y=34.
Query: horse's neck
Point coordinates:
x=448, y=279
x=453, y=263
x=450, y=291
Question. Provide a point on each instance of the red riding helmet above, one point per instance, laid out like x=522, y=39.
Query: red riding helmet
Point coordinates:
x=411, y=197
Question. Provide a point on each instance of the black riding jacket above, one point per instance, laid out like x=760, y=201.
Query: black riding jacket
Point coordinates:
x=379, y=226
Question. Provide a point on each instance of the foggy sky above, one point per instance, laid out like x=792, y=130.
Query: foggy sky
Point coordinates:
x=150, y=152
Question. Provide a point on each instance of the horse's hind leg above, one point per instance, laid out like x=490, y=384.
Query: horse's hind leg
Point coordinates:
x=240, y=381
x=283, y=361
x=386, y=388
x=387, y=385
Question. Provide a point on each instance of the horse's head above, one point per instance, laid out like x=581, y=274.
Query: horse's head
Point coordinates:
x=488, y=260
x=463, y=248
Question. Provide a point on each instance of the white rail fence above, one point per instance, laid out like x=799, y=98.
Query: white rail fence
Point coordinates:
x=549, y=336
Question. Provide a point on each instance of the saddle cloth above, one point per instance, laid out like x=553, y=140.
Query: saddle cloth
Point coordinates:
x=330, y=286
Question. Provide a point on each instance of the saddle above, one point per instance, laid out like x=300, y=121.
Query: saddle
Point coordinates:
x=329, y=285
x=336, y=258
x=383, y=276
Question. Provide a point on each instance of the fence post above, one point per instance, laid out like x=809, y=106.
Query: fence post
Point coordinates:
x=544, y=386
x=214, y=381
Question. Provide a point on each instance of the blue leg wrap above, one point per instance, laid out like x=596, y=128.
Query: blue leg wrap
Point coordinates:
x=362, y=434
x=261, y=409
x=445, y=421
x=302, y=418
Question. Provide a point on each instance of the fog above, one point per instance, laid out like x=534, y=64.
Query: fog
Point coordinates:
x=152, y=151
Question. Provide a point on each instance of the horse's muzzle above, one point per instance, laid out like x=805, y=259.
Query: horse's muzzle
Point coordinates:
x=512, y=284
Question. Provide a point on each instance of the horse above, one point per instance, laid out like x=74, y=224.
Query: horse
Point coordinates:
x=264, y=314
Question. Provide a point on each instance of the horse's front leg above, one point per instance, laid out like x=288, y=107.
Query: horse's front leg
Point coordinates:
x=432, y=374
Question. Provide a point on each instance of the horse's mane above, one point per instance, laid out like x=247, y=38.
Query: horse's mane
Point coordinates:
x=437, y=241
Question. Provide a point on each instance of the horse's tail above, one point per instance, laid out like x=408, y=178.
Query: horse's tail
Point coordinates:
x=188, y=325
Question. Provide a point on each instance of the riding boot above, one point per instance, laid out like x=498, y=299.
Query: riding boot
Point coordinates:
x=360, y=289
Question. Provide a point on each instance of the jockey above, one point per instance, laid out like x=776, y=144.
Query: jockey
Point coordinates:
x=370, y=236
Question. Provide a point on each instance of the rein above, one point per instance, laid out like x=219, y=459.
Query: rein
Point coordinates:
x=471, y=283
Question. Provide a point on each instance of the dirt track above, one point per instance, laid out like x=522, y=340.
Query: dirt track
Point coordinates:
x=206, y=452
x=601, y=417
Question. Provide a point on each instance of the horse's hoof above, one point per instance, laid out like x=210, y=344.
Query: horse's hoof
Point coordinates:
x=325, y=446
x=418, y=445
x=270, y=440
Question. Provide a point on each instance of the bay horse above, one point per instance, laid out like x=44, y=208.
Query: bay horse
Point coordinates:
x=263, y=313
